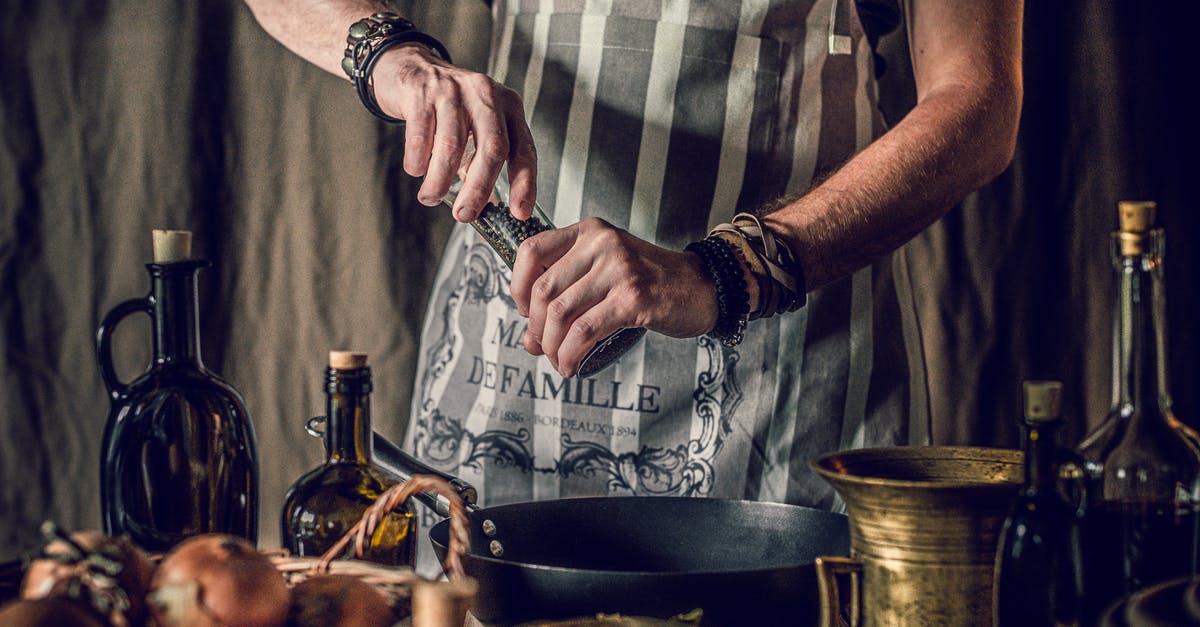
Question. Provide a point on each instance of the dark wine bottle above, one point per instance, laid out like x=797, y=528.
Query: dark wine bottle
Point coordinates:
x=1141, y=524
x=1034, y=579
x=179, y=455
x=326, y=502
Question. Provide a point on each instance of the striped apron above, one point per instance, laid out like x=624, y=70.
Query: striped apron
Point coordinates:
x=665, y=118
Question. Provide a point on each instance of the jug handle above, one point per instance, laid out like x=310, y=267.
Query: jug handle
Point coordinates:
x=829, y=568
x=104, y=341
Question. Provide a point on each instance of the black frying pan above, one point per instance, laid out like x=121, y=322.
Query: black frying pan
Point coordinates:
x=739, y=562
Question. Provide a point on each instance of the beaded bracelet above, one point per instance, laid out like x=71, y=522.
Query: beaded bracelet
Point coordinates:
x=779, y=276
x=733, y=302
x=367, y=40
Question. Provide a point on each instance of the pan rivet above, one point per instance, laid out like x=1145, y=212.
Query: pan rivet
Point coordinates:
x=489, y=528
x=496, y=547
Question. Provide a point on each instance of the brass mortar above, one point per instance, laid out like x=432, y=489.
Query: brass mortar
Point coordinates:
x=924, y=525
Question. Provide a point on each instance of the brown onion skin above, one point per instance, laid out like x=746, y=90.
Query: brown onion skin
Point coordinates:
x=339, y=601
x=48, y=612
x=47, y=578
x=217, y=579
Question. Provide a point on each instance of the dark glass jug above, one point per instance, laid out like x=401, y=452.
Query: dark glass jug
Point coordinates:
x=178, y=456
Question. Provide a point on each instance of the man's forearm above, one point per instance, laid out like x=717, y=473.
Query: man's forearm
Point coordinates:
x=897, y=186
x=961, y=134
x=313, y=29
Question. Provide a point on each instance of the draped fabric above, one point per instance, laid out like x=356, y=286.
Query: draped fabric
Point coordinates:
x=1018, y=282
x=122, y=116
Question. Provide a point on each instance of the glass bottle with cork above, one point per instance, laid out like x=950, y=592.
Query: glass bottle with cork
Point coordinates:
x=326, y=502
x=1141, y=524
x=1035, y=582
x=178, y=453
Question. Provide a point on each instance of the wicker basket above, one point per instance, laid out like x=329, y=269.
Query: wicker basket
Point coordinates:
x=434, y=603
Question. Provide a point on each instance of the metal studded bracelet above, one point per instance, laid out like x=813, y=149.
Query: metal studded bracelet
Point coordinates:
x=367, y=40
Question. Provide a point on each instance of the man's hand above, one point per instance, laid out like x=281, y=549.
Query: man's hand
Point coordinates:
x=444, y=107
x=580, y=283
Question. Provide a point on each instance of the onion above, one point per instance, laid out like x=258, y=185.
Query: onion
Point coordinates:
x=217, y=579
x=48, y=612
x=109, y=574
x=340, y=601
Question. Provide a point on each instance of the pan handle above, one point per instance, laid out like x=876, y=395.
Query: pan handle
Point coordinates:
x=828, y=570
x=401, y=466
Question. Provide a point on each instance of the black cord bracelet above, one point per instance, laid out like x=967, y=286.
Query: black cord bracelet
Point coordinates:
x=781, y=284
x=733, y=301
x=367, y=40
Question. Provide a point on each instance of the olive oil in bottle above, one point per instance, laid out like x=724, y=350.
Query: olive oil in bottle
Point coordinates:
x=326, y=502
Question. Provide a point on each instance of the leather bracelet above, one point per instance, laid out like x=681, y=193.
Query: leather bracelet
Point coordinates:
x=781, y=279
x=367, y=40
x=733, y=302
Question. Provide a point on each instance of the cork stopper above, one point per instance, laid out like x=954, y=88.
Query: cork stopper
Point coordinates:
x=1043, y=400
x=442, y=602
x=1136, y=218
x=347, y=360
x=172, y=246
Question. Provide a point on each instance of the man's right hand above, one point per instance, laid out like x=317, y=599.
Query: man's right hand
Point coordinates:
x=444, y=107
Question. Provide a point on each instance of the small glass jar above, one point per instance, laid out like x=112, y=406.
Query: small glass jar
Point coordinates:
x=504, y=233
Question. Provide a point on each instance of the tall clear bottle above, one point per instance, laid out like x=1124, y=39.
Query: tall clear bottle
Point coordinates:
x=178, y=456
x=1141, y=523
x=327, y=501
x=1034, y=578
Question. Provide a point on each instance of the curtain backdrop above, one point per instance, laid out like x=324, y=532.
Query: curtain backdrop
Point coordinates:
x=120, y=116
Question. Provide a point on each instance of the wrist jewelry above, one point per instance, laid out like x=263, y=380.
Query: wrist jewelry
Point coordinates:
x=733, y=302
x=780, y=278
x=368, y=39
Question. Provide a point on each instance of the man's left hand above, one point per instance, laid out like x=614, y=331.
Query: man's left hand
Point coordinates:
x=580, y=283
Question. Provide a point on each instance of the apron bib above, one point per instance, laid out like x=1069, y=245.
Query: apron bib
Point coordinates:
x=666, y=118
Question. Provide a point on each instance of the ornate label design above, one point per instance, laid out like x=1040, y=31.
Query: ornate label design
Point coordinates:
x=446, y=443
